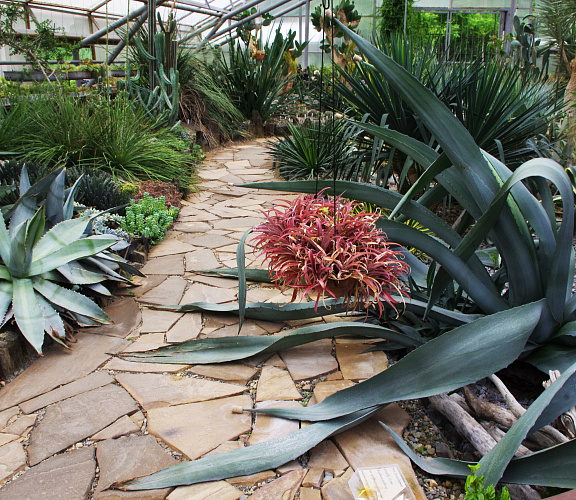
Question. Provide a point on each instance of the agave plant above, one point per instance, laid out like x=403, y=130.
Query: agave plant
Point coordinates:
x=526, y=309
x=322, y=247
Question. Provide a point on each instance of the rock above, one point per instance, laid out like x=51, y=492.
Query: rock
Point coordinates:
x=210, y=240
x=310, y=360
x=8, y=438
x=289, y=467
x=92, y=381
x=154, y=391
x=8, y=416
x=123, y=426
x=116, y=459
x=231, y=372
x=325, y=389
x=12, y=459
x=252, y=479
x=217, y=490
x=158, y=321
x=169, y=246
x=125, y=316
x=171, y=265
x=122, y=365
x=276, y=384
x=275, y=361
x=283, y=488
x=168, y=293
x=21, y=426
x=67, y=476
x=188, y=327
x=77, y=418
x=225, y=448
x=327, y=456
x=267, y=427
x=191, y=227
x=310, y=494
x=144, y=284
x=334, y=376
x=146, y=342
x=356, y=364
x=60, y=366
x=313, y=478
x=178, y=425
x=205, y=293
x=338, y=488
x=201, y=260
x=215, y=281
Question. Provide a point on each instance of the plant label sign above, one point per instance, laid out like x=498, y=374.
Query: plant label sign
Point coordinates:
x=379, y=483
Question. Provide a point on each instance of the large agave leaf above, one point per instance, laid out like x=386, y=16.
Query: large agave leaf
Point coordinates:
x=5, y=298
x=258, y=275
x=483, y=347
x=69, y=300
x=241, y=265
x=53, y=324
x=27, y=312
x=77, y=274
x=80, y=249
x=221, y=350
x=549, y=467
x=20, y=256
x=60, y=236
x=55, y=199
x=249, y=460
x=4, y=242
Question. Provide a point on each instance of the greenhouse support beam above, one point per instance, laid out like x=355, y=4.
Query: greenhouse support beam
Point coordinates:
x=307, y=32
x=117, y=24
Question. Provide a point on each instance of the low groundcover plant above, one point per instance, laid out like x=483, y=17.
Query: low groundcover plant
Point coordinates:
x=327, y=247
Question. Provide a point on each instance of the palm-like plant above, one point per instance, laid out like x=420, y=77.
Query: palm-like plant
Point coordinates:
x=532, y=317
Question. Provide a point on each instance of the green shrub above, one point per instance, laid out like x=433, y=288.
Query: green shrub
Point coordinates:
x=149, y=218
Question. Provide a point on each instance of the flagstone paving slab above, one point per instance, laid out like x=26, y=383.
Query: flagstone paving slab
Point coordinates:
x=8, y=438
x=310, y=360
x=201, y=260
x=276, y=384
x=60, y=366
x=313, y=478
x=197, y=292
x=122, y=365
x=267, y=427
x=252, y=479
x=82, y=416
x=125, y=316
x=188, y=327
x=338, y=489
x=156, y=320
x=225, y=448
x=171, y=264
x=356, y=364
x=217, y=490
x=327, y=456
x=116, y=462
x=324, y=389
x=169, y=246
x=215, y=281
x=191, y=227
x=146, y=342
x=155, y=391
x=168, y=293
x=67, y=476
x=7, y=416
x=209, y=240
x=230, y=372
x=122, y=427
x=22, y=425
x=144, y=284
x=284, y=488
x=238, y=222
x=178, y=425
x=12, y=459
x=310, y=494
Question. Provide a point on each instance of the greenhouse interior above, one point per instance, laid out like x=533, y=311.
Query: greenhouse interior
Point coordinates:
x=287, y=250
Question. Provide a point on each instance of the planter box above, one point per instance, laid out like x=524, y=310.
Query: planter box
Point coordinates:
x=38, y=76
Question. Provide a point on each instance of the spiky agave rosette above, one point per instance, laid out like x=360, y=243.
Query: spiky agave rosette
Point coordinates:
x=313, y=250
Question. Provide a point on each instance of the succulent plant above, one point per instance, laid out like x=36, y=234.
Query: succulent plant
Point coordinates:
x=10, y=175
x=149, y=218
x=96, y=188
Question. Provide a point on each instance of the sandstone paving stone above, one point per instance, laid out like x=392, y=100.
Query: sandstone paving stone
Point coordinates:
x=211, y=241
x=22, y=425
x=310, y=360
x=170, y=264
x=231, y=213
x=289, y=467
x=8, y=438
x=276, y=384
x=310, y=494
x=205, y=293
x=276, y=361
x=87, y=383
x=324, y=389
x=261, y=294
x=225, y=448
x=122, y=365
x=158, y=321
x=12, y=459
x=188, y=327
x=267, y=427
x=230, y=372
x=155, y=391
x=249, y=327
x=271, y=327
x=144, y=284
x=117, y=459
x=326, y=455
x=77, y=418
x=125, y=316
x=191, y=227
x=215, y=281
x=252, y=479
x=67, y=476
x=338, y=489
x=216, y=490
x=231, y=179
x=212, y=174
x=313, y=478
x=138, y=418
x=169, y=246
x=215, y=320
x=7, y=416
x=178, y=425
x=122, y=427
x=356, y=364
x=168, y=293
x=370, y=445
x=201, y=260
x=238, y=164
x=146, y=342
x=283, y=488
x=60, y=366
x=238, y=222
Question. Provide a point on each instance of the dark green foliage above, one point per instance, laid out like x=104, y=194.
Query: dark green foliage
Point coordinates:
x=96, y=188
x=10, y=171
x=391, y=14
x=149, y=218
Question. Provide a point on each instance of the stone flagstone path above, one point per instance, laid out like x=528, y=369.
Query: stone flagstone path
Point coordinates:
x=77, y=421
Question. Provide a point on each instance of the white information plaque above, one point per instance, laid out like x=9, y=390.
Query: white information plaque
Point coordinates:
x=379, y=483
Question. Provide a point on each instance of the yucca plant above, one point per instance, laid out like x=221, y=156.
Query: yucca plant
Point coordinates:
x=532, y=316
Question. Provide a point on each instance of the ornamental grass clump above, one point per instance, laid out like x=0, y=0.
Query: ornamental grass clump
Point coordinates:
x=321, y=247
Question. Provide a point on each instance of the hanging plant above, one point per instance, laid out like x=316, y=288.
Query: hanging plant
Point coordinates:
x=325, y=247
